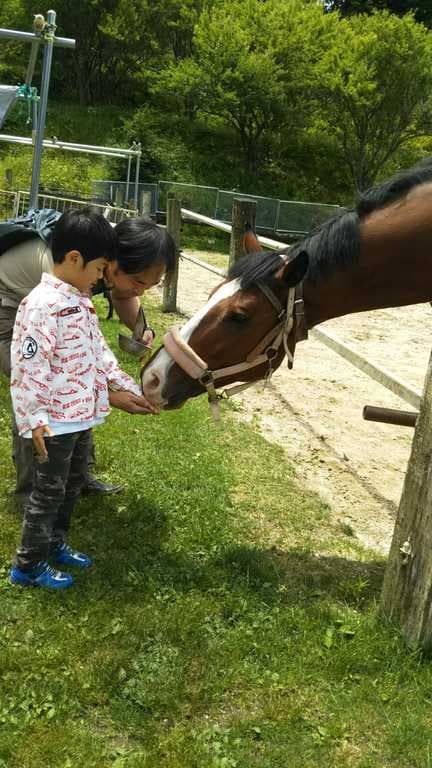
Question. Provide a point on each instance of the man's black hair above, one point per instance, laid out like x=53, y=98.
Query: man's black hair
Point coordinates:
x=143, y=244
x=85, y=231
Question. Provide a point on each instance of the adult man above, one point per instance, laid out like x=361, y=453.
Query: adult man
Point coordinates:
x=145, y=252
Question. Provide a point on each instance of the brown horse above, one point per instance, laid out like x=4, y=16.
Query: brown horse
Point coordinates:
x=375, y=256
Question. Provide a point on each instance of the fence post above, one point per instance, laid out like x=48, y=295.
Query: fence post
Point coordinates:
x=119, y=197
x=243, y=212
x=173, y=222
x=407, y=590
x=145, y=203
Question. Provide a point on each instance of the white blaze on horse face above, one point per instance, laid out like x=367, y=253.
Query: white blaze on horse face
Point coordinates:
x=226, y=290
x=159, y=368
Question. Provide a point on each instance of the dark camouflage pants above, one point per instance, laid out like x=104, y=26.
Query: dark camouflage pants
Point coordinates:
x=57, y=486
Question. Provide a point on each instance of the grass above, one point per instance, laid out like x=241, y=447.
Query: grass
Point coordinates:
x=227, y=622
x=213, y=244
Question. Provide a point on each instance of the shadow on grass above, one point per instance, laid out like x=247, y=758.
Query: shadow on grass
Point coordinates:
x=132, y=541
x=300, y=575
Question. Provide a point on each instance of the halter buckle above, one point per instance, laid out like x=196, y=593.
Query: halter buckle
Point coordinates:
x=206, y=378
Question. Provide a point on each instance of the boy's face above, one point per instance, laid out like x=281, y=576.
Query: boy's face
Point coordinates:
x=84, y=276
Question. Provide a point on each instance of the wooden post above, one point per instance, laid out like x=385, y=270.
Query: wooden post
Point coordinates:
x=145, y=203
x=407, y=591
x=171, y=279
x=119, y=197
x=243, y=212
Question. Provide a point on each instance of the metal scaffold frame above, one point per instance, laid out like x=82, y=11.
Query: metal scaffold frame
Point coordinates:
x=44, y=35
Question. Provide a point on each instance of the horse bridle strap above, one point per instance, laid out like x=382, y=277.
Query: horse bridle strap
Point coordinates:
x=183, y=354
x=264, y=352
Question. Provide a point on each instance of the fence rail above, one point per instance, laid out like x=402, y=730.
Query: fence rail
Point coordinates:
x=64, y=203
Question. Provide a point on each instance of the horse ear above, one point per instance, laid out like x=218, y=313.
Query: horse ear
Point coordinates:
x=295, y=269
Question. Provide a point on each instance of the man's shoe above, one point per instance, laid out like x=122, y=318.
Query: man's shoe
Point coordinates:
x=42, y=575
x=97, y=487
x=64, y=555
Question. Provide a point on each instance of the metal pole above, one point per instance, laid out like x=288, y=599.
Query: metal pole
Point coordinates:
x=32, y=61
x=128, y=178
x=31, y=68
x=29, y=37
x=64, y=145
x=46, y=74
x=137, y=170
x=94, y=147
x=34, y=120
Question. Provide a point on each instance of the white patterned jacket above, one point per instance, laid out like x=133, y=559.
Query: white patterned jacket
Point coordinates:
x=61, y=363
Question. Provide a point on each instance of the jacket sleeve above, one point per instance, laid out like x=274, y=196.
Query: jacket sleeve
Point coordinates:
x=116, y=378
x=33, y=344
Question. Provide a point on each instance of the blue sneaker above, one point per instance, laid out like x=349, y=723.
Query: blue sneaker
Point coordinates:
x=64, y=555
x=42, y=575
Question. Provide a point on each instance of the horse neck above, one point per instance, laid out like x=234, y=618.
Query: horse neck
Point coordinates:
x=393, y=268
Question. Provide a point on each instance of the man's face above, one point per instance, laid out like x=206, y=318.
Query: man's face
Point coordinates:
x=126, y=286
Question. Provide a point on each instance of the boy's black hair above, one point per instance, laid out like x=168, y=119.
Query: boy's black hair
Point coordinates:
x=143, y=244
x=85, y=231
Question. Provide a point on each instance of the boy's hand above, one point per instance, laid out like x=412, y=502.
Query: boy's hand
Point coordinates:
x=38, y=440
x=131, y=403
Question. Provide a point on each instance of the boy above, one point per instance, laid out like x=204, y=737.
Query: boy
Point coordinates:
x=61, y=369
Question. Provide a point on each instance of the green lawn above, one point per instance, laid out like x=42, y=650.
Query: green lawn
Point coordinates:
x=227, y=622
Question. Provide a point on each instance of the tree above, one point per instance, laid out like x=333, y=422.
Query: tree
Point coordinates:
x=378, y=95
x=421, y=9
x=254, y=62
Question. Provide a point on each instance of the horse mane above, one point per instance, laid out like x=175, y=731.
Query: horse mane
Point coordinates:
x=334, y=245
x=395, y=188
x=259, y=267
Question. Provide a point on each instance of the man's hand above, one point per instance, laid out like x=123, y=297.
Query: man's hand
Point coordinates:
x=148, y=337
x=38, y=440
x=131, y=403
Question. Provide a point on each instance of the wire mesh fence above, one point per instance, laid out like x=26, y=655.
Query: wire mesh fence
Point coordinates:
x=122, y=194
x=273, y=215
x=192, y=196
x=266, y=211
x=299, y=218
x=292, y=217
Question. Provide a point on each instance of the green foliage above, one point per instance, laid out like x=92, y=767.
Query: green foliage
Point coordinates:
x=60, y=171
x=254, y=61
x=376, y=94
x=421, y=9
x=277, y=98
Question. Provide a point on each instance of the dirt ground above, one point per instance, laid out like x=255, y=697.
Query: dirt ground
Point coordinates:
x=314, y=412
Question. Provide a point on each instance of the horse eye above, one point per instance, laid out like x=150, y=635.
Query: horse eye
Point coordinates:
x=239, y=318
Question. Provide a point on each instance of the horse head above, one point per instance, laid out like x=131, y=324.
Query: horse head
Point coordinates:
x=241, y=334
